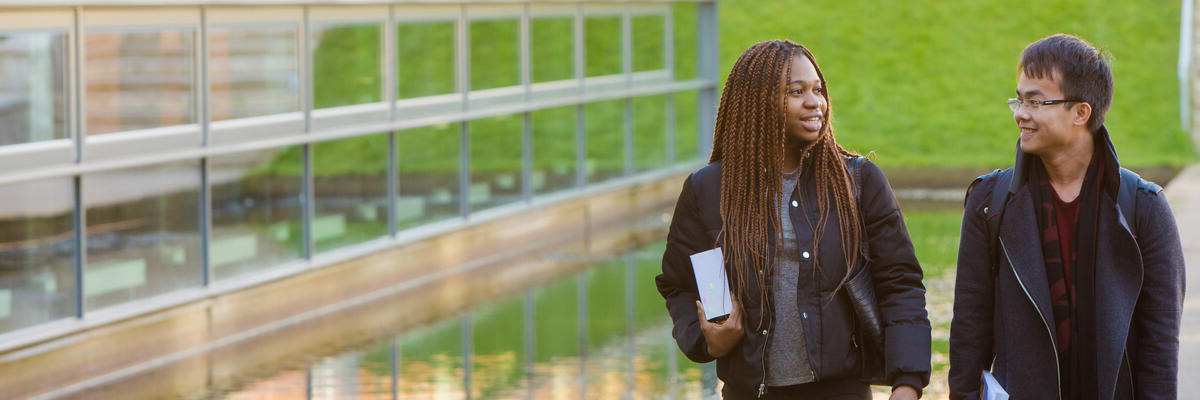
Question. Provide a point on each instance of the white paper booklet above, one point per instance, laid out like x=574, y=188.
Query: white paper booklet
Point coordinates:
x=709, y=267
x=991, y=389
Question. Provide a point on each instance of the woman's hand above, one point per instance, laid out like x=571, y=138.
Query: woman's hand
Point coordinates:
x=904, y=392
x=721, y=336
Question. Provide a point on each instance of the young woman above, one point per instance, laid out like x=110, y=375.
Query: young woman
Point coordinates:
x=781, y=199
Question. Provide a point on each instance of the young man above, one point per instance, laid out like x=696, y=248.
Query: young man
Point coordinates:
x=1070, y=270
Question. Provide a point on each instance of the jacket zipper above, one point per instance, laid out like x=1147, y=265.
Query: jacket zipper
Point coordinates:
x=1042, y=317
x=1132, y=390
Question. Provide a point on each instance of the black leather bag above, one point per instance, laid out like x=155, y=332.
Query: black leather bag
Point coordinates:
x=860, y=288
x=868, y=332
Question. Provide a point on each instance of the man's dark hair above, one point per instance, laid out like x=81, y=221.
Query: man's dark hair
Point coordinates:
x=1083, y=71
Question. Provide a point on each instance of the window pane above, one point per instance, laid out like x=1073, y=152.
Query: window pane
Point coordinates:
x=648, y=48
x=553, y=49
x=427, y=165
x=350, y=186
x=495, y=161
x=253, y=71
x=685, y=40
x=33, y=67
x=495, y=54
x=139, y=80
x=346, y=65
x=603, y=40
x=649, y=132
x=256, y=210
x=37, y=252
x=687, y=132
x=605, y=122
x=143, y=232
x=553, y=149
x=425, y=59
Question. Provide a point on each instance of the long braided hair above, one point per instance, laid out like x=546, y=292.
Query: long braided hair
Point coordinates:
x=749, y=141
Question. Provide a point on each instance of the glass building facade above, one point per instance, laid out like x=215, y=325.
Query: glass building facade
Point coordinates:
x=151, y=156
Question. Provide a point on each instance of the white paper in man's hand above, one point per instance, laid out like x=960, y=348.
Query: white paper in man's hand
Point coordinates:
x=709, y=267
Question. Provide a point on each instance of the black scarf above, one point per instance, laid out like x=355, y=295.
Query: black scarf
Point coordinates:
x=1074, y=309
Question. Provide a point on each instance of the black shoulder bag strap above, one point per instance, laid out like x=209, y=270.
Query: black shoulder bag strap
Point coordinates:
x=993, y=210
x=856, y=175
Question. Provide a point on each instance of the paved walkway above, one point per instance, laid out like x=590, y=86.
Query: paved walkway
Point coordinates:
x=1184, y=195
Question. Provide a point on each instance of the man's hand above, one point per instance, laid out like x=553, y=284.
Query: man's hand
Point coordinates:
x=904, y=392
x=721, y=336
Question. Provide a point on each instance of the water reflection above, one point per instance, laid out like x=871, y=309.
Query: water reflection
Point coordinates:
x=599, y=334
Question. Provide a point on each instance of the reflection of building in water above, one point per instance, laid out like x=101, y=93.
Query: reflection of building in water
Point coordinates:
x=493, y=376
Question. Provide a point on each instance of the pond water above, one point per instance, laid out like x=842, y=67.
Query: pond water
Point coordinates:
x=599, y=333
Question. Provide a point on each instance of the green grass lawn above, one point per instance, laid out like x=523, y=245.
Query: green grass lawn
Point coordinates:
x=924, y=83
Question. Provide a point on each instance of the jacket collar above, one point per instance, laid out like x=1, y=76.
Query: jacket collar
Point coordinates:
x=1103, y=144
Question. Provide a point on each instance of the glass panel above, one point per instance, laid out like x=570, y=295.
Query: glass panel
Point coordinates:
x=552, y=47
x=253, y=71
x=498, y=350
x=346, y=65
x=350, y=186
x=553, y=149
x=605, y=122
x=602, y=37
x=686, y=56
x=495, y=161
x=495, y=54
x=425, y=59
x=648, y=47
x=37, y=252
x=143, y=232
x=687, y=132
x=427, y=165
x=256, y=210
x=607, y=362
x=33, y=87
x=649, y=132
x=556, y=348
x=432, y=362
x=139, y=80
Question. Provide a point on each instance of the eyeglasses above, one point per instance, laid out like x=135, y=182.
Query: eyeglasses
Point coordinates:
x=1034, y=105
